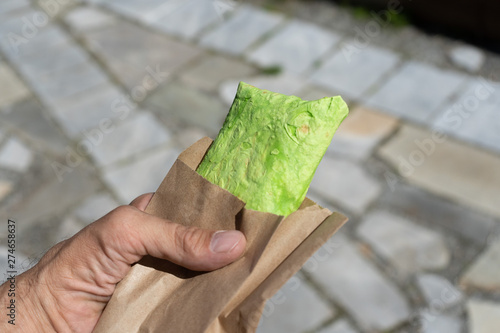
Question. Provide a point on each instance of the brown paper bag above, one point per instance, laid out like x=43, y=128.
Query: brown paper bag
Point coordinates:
x=159, y=296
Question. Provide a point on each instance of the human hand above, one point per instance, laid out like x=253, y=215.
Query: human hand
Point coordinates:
x=70, y=286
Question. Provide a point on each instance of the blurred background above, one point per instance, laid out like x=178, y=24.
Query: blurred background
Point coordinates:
x=97, y=99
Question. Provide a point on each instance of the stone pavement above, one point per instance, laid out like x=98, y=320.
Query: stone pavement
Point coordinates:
x=98, y=97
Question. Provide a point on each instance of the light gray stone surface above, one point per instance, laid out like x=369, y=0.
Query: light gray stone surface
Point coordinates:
x=94, y=55
x=245, y=27
x=295, y=48
x=484, y=316
x=52, y=87
x=416, y=91
x=6, y=188
x=474, y=116
x=142, y=176
x=352, y=75
x=122, y=47
x=408, y=247
x=189, y=105
x=284, y=83
x=189, y=19
x=355, y=283
x=439, y=323
x=312, y=92
x=345, y=183
x=15, y=155
x=453, y=217
x=361, y=132
x=88, y=110
x=446, y=167
x=30, y=118
x=339, y=326
x=145, y=10
x=467, y=57
x=212, y=70
x=68, y=227
x=38, y=205
x=10, y=5
x=83, y=19
x=59, y=58
x=12, y=89
x=438, y=291
x=189, y=136
x=484, y=273
x=42, y=43
x=134, y=135
x=296, y=307
x=95, y=207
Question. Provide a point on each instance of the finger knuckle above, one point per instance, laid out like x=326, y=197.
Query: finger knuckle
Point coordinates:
x=190, y=241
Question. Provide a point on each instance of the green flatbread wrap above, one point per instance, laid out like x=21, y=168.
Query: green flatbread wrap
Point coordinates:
x=270, y=146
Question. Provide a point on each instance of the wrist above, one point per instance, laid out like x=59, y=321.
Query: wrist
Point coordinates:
x=32, y=306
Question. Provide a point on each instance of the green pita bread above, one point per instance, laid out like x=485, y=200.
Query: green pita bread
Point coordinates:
x=270, y=146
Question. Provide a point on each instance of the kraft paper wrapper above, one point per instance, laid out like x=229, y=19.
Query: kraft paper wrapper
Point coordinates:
x=159, y=296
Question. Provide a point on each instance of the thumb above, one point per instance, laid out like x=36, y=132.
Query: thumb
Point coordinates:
x=194, y=248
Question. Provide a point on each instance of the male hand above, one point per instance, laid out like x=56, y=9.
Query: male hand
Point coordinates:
x=70, y=286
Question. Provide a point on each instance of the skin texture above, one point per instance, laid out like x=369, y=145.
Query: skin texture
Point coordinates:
x=270, y=146
x=70, y=286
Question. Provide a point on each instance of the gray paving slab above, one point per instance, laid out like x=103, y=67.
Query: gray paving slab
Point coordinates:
x=438, y=291
x=44, y=42
x=296, y=307
x=446, y=167
x=6, y=187
x=88, y=110
x=484, y=273
x=68, y=227
x=74, y=80
x=127, y=138
x=178, y=101
x=467, y=57
x=38, y=205
x=416, y=90
x=213, y=69
x=352, y=75
x=84, y=19
x=374, y=302
x=422, y=205
x=15, y=155
x=245, y=27
x=20, y=28
x=12, y=88
x=61, y=58
x=95, y=207
x=14, y=23
x=407, y=246
x=295, y=47
x=122, y=46
x=361, y=132
x=29, y=117
x=346, y=183
x=339, y=326
x=190, y=19
x=8, y=6
x=143, y=10
x=142, y=176
x=439, y=323
x=484, y=316
x=474, y=117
